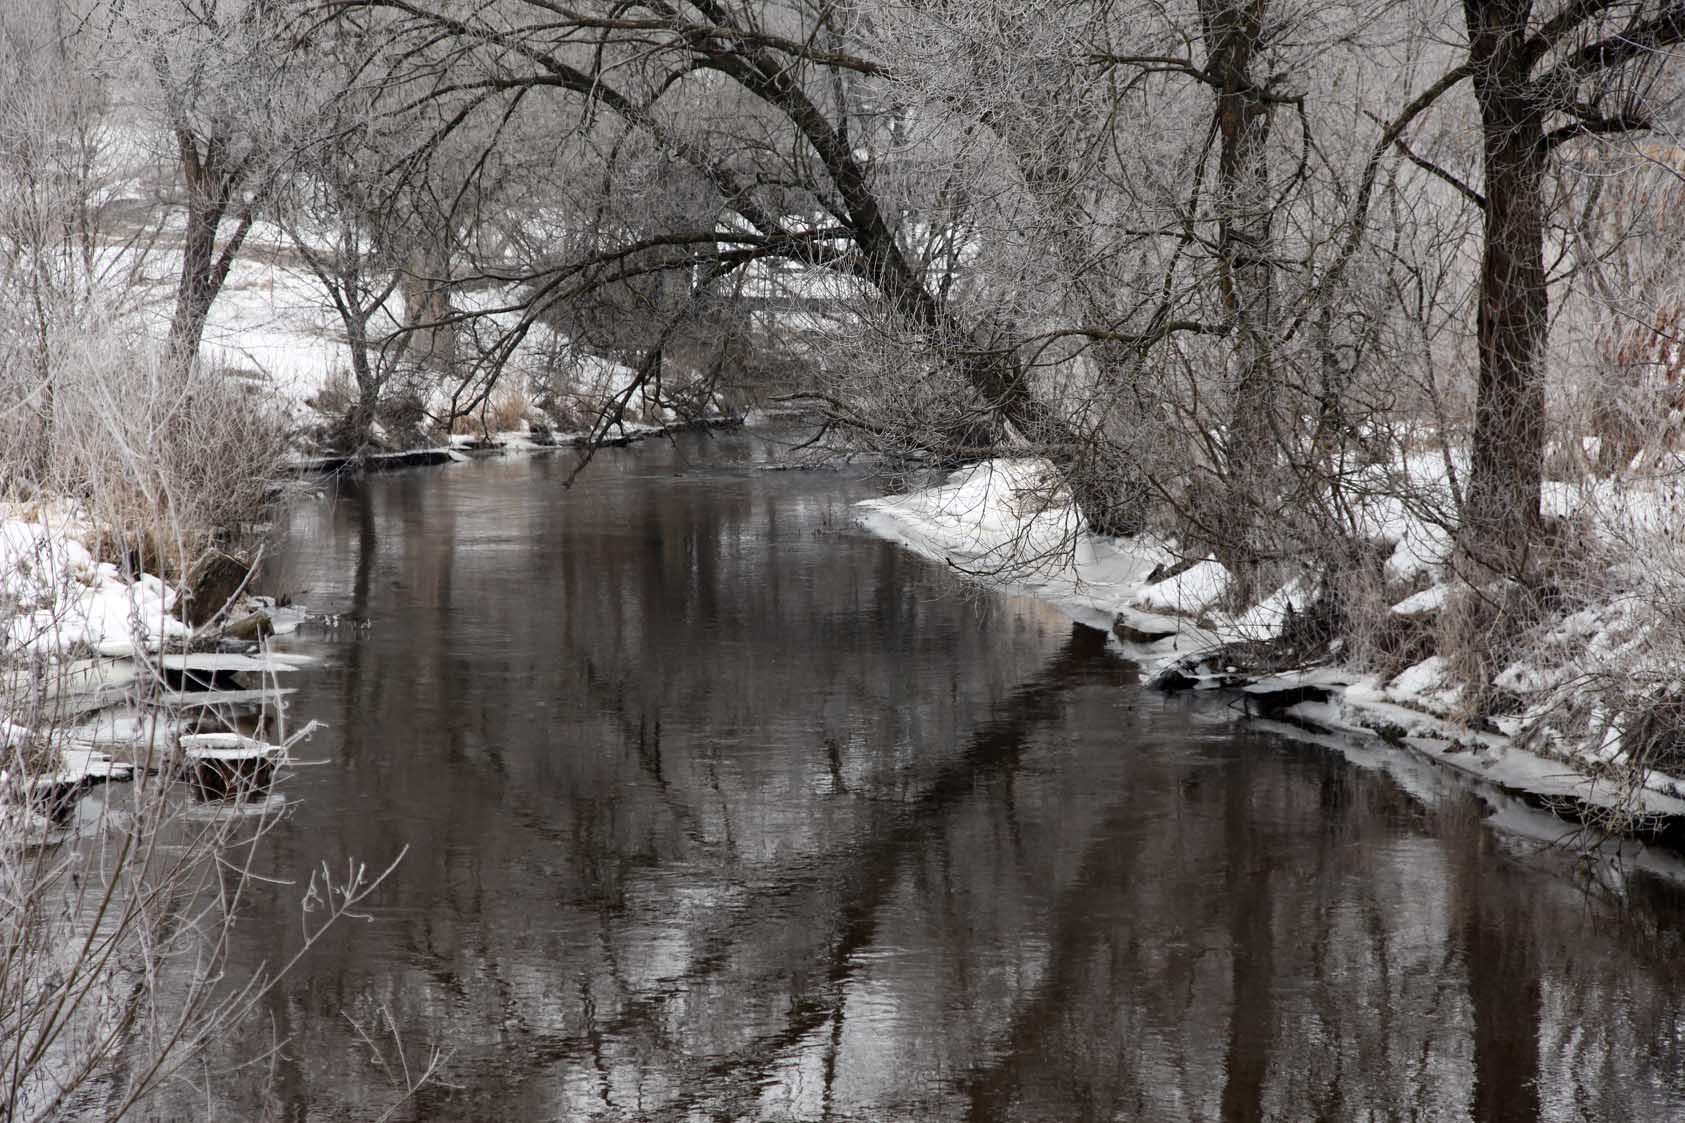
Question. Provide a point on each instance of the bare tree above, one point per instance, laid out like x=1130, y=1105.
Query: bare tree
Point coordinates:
x=1541, y=79
x=215, y=66
x=792, y=180
x=64, y=260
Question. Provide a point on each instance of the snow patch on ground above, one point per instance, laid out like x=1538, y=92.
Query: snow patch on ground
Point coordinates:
x=60, y=599
x=1009, y=524
x=1005, y=523
x=1192, y=591
x=1431, y=599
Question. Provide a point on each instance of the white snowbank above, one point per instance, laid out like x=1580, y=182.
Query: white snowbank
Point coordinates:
x=1191, y=591
x=58, y=598
x=1421, y=680
x=1009, y=524
x=1431, y=599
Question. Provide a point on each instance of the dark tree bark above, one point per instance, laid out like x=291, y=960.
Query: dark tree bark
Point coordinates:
x=215, y=192
x=1252, y=482
x=1502, y=505
x=1590, y=66
x=1233, y=33
x=430, y=335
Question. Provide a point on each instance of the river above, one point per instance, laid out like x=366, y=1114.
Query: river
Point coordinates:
x=718, y=808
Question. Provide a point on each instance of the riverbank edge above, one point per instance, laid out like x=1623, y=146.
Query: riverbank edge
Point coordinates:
x=498, y=444
x=1175, y=654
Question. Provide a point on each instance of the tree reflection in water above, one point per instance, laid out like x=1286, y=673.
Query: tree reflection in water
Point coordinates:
x=720, y=813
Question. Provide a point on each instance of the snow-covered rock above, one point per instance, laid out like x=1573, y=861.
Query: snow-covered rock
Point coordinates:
x=1192, y=591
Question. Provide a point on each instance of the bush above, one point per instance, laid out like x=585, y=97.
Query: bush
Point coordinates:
x=163, y=460
x=119, y=897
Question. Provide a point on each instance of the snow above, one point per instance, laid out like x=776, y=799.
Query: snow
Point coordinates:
x=1266, y=619
x=76, y=765
x=124, y=728
x=227, y=746
x=1192, y=591
x=1491, y=757
x=62, y=600
x=1431, y=599
x=1420, y=681
x=211, y=699
x=1526, y=677
x=275, y=322
x=272, y=663
x=61, y=604
x=1422, y=548
x=1004, y=522
x=1008, y=524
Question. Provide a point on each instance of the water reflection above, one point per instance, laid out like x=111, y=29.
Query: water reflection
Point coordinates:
x=719, y=811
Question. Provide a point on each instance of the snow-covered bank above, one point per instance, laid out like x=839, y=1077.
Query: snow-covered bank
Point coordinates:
x=1006, y=524
x=59, y=599
x=991, y=521
x=96, y=659
x=465, y=447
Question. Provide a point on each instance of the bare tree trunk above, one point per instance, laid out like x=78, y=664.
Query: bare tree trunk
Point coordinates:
x=1502, y=512
x=1244, y=243
x=430, y=339
x=212, y=189
x=1246, y=282
x=193, y=291
x=360, y=424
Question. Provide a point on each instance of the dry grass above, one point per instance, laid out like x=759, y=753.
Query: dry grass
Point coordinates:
x=507, y=410
x=161, y=460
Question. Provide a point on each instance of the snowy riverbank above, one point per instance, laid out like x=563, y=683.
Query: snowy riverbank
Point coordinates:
x=995, y=522
x=103, y=673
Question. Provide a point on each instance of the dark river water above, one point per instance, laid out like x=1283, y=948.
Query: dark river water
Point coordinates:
x=719, y=809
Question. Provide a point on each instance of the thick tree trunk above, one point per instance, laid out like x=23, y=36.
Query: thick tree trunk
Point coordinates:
x=1501, y=511
x=360, y=423
x=193, y=292
x=1109, y=477
x=211, y=190
x=1246, y=280
x=1244, y=242
x=431, y=341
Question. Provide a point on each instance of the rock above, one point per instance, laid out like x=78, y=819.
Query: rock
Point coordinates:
x=1390, y=732
x=1165, y=571
x=56, y=799
x=213, y=581
x=229, y=766
x=377, y=462
x=1274, y=695
x=1129, y=633
x=254, y=627
x=1172, y=678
